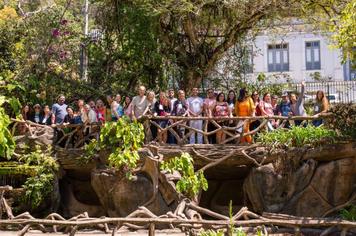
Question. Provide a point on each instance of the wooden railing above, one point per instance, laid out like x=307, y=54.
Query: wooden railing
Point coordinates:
x=234, y=129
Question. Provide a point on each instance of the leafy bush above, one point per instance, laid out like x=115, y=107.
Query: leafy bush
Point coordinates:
x=191, y=182
x=123, y=138
x=7, y=144
x=40, y=185
x=349, y=213
x=343, y=119
x=297, y=136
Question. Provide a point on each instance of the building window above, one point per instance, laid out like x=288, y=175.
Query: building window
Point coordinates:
x=312, y=55
x=278, y=57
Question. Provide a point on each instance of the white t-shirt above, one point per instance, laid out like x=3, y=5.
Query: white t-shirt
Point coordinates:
x=172, y=103
x=196, y=104
x=92, y=116
x=139, y=105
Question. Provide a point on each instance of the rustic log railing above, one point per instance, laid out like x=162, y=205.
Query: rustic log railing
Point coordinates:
x=187, y=217
x=234, y=129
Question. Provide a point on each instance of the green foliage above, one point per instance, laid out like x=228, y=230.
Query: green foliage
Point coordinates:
x=135, y=54
x=123, y=138
x=211, y=233
x=337, y=17
x=297, y=136
x=345, y=31
x=38, y=188
x=191, y=182
x=40, y=185
x=349, y=213
x=343, y=119
x=262, y=85
x=7, y=143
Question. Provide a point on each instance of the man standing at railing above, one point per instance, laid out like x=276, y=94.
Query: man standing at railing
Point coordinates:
x=180, y=108
x=171, y=98
x=59, y=110
x=284, y=109
x=139, y=103
x=195, y=109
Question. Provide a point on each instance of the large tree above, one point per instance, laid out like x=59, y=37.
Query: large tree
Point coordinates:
x=195, y=35
x=199, y=33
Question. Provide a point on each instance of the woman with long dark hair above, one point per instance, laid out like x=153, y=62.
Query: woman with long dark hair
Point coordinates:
x=321, y=106
x=256, y=102
x=162, y=108
x=245, y=107
x=221, y=110
x=46, y=117
x=231, y=100
x=127, y=107
x=36, y=116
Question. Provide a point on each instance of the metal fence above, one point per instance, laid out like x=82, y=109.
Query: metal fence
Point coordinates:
x=337, y=92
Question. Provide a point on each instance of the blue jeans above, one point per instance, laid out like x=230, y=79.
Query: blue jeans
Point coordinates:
x=317, y=123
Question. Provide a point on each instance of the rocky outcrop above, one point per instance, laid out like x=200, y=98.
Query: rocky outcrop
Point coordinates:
x=120, y=196
x=314, y=189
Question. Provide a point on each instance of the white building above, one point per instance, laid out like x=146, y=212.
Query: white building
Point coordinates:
x=297, y=54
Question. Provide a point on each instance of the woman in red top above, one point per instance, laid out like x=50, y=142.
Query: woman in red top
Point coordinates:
x=221, y=110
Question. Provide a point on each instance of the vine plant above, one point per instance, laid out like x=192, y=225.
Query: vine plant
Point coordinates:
x=40, y=184
x=7, y=143
x=9, y=104
x=123, y=138
x=191, y=182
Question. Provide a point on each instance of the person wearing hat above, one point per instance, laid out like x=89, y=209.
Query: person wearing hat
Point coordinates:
x=37, y=116
x=284, y=108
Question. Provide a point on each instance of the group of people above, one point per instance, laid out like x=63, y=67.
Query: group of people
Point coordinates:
x=214, y=105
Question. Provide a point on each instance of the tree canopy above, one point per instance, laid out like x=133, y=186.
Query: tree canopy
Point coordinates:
x=159, y=44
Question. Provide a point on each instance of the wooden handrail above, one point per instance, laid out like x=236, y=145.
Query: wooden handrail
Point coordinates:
x=237, y=117
x=187, y=118
x=234, y=132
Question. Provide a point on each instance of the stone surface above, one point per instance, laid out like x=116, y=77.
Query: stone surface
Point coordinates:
x=311, y=190
x=332, y=185
x=121, y=197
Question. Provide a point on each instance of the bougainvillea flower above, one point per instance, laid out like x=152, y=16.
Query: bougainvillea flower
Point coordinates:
x=64, y=22
x=55, y=32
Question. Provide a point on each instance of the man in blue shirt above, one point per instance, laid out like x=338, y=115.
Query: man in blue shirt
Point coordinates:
x=59, y=110
x=284, y=108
